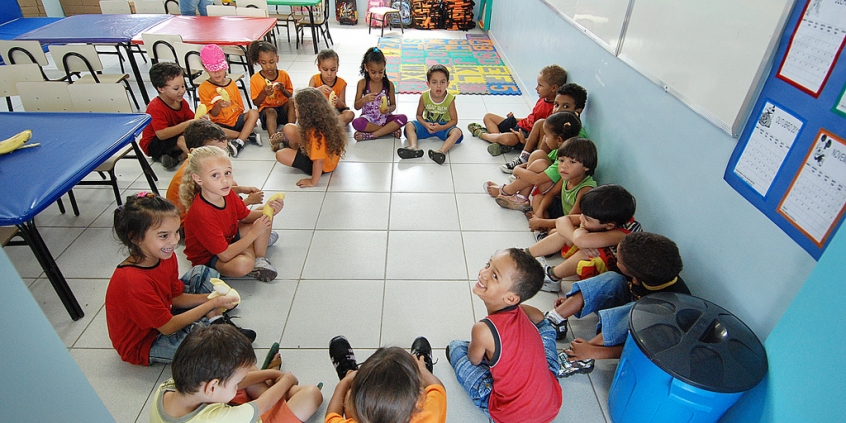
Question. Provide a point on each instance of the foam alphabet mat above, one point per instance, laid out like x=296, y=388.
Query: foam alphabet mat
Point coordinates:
x=474, y=65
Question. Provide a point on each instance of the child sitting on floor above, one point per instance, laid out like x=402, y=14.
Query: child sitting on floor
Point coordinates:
x=376, y=99
x=215, y=379
x=577, y=162
x=647, y=263
x=390, y=386
x=270, y=87
x=202, y=132
x=504, y=133
x=170, y=114
x=221, y=97
x=436, y=117
x=589, y=240
x=328, y=82
x=510, y=365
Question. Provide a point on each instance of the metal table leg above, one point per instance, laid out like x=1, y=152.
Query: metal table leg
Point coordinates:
x=136, y=72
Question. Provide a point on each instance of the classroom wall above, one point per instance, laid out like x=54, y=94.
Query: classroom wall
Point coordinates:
x=806, y=378
x=671, y=159
x=41, y=381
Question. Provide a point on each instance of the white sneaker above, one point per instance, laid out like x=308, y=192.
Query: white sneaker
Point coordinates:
x=549, y=284
x=256, y=139
x=273, y=238
x=263, y=270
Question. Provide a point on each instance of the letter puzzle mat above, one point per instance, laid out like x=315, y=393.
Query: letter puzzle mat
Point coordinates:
x=474, y=65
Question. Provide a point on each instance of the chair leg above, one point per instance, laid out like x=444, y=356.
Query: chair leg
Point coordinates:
x=131, y=94
x=61, y=205
x=244, y=89
x=120, y=59
x=74, y=206
x=9, y=103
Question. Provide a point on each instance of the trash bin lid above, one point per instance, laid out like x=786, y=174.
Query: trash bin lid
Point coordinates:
x=698, y=342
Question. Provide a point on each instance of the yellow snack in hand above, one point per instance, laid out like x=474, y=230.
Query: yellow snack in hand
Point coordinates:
x=224, y=95
x=268, y=211
x=221, y=289
x=332, y=97
x=384, y=107
x=202, y=110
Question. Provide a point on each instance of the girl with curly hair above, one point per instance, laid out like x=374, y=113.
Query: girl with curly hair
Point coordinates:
x=317, y=141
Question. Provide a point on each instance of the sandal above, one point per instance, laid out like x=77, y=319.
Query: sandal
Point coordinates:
x=278, y=141
x=497, y=149
x=437, y=156
x=476, y=129
x=513, y=202
x=409, y=153
x=397, y=134
x=363, y=136
x=569, y=368
x=492, y=189
x=269, y=358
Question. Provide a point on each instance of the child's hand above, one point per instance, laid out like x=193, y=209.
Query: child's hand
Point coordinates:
x=224, y=104
x=510, y=114
x=325, y=89
x=559, y=301
x=535, y=223
x=369, y=97
x=432, y=127
x=224, y=301
x=281, y=89
x=261, y=225
x=591, y=252
x=254, y=197
x=519, y=134
x=277, y=206
x=268, y=90
x=305, y=183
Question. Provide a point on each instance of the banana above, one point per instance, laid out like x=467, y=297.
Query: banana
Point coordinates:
x=270, y=83
x=384, y=107
x=221, y=289
x=268, y=211
x=224, y=95
x=332, y=97
x=15, y=141
x=202, y=110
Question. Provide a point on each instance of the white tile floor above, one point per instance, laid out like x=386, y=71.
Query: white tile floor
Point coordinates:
x=382, y=251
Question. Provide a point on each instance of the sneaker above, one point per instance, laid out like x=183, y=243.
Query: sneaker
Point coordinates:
x=550, y=282
x=342, y=355
x=512, y=178
x=234, y=148
x=497, y=149
x=421, y=347
x=255, y=139
x=509, y=167
x=278, y=141
x=447, y=355
x=560, y=328
x=263, y=270
x=569, y=368
x=409, y=153
x=226, y=319
x=539, y=235
x=273, y=238
x=169, y=162
x=437, y=156
x=513, y=202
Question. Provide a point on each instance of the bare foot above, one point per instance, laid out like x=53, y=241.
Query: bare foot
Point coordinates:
x=276, y=363
x=583, y=350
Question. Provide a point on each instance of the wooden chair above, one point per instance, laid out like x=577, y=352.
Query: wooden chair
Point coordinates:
x=156, y=7
x=10, y=75
x=108, y=98
x=79, y=58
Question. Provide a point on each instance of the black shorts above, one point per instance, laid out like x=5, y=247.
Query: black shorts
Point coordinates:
x=281, y=115
x=302, y=162
x=239, y=124
x=159, y=148
x=508, y=124
x=556, y=209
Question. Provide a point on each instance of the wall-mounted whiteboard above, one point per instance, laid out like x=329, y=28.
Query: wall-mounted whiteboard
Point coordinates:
x=711, y=54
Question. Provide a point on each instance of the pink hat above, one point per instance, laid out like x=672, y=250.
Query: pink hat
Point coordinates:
x=213, y=58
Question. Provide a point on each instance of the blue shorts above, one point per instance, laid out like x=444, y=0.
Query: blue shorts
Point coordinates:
x=213, y=261
x=239, y=124
x=197, y=281
x=422, y=132
x=608, y=295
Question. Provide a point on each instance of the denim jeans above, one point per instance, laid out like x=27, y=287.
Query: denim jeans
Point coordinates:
x=477, y=379
x=189, y=7
x=197, y=281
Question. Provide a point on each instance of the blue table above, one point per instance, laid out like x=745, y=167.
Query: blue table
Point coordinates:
x=102, y=29
x=34, y=178
x=10, y=30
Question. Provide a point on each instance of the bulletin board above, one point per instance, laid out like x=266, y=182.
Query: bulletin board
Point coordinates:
x=790, y=161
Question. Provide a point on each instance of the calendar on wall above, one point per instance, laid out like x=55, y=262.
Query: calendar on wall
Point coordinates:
x=790, y=161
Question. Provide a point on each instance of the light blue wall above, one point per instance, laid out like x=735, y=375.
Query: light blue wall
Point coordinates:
x=40, y=380
x=806, y=380
x=671, y=159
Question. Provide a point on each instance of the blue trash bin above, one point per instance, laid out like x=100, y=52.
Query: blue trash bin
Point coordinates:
x=685, y=360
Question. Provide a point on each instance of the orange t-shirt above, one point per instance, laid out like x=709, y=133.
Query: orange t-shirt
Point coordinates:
x=228, y=116
x=339, y=87
x=173, y=191
x=317, y=151
x=434, y=408
x=257, y=84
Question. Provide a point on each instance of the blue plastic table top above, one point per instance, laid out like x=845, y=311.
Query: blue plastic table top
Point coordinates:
x=106, y=29
x=20, y=26
x=72, y=145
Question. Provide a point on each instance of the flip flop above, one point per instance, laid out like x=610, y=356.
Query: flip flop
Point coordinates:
x=270, y=355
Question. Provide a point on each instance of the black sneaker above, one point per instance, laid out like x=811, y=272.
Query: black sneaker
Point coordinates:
x=569, y=368
x=560, y=330
x=255, y=139
x=225, y=319
x=342, y=355
x=169, y=162
x=421, y=347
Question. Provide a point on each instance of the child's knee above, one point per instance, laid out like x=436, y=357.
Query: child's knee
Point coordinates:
x=270, y=113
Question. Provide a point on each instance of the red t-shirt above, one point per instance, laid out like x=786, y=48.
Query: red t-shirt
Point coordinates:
x=542, y=110
x=163, y=116
x=209, y=229
x=524, y=389
x=138, y=302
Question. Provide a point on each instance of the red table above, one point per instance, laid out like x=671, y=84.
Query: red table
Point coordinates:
x=221, y=30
